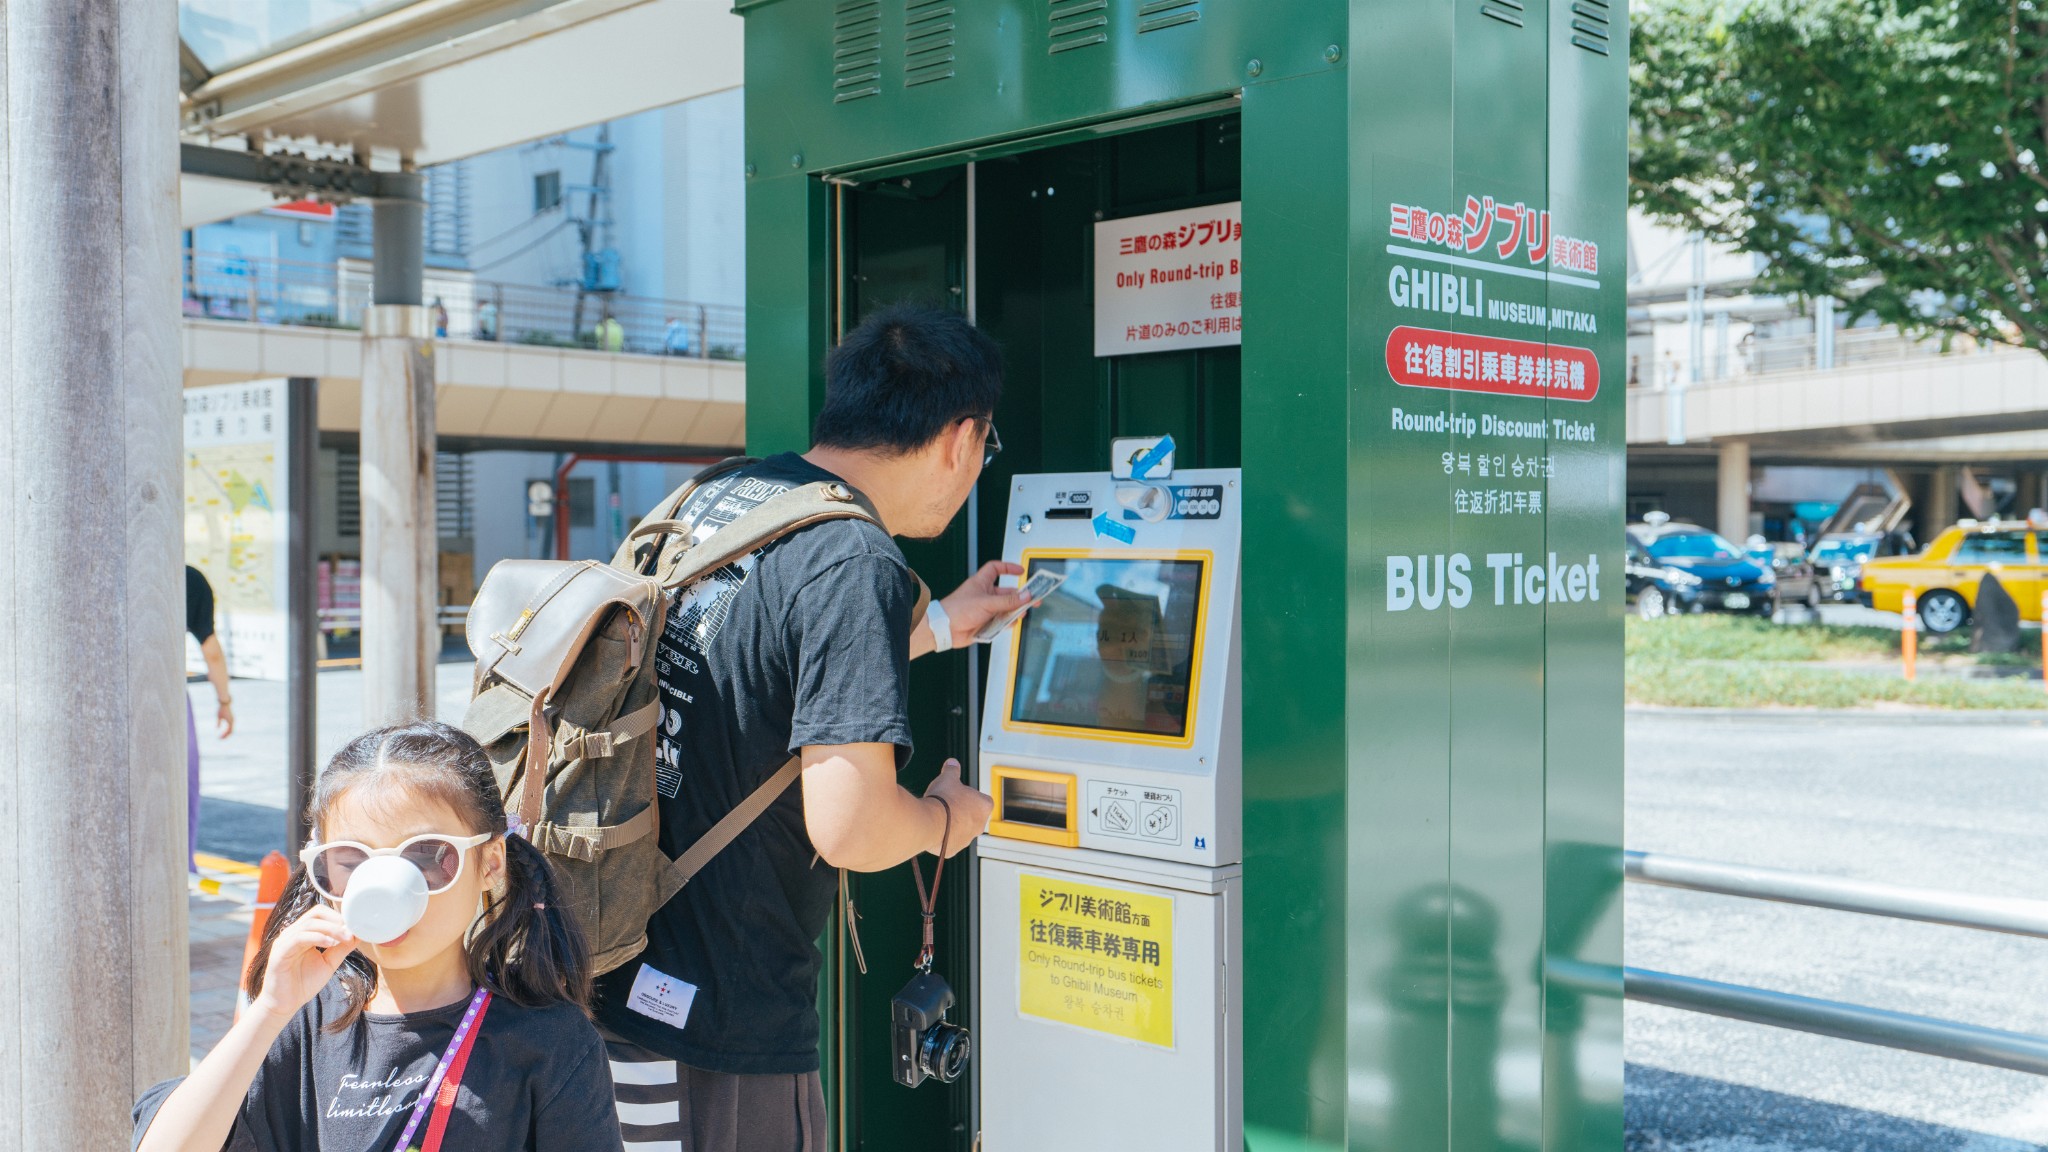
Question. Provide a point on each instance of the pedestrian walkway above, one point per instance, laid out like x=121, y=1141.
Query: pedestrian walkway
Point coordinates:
x=222, y=896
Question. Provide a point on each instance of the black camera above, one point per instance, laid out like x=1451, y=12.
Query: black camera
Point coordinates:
x=920, y=1039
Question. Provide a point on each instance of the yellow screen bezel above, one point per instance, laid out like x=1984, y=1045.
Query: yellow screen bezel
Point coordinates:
x=1195, y=661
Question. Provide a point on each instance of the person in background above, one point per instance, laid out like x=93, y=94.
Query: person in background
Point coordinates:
x=675, y=339
x=199, y=622
x=611, y=335
x=440, y=318
x=487, y=320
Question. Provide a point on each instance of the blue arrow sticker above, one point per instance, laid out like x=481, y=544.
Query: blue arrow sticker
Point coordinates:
x=1122, y=533
x=1143, y=465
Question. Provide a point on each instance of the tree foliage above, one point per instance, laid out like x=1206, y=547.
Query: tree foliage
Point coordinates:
x=1885, y=152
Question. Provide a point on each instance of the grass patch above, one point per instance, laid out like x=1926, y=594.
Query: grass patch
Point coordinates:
x=1712, y=636
x=1683, y=684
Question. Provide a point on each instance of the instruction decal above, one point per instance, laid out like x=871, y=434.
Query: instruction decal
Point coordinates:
x=1104, y=526
x=1096, y=957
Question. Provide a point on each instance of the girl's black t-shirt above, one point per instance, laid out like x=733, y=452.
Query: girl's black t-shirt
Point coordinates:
x=537, y=1079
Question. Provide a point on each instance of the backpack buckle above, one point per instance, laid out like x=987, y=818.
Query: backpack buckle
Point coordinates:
x=838, y=493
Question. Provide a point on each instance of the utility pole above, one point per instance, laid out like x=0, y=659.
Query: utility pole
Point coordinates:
x=401, y=633
x=594, y=228
x=93, y=959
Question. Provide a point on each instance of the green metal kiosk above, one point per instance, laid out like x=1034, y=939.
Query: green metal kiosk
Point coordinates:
x=1366, y=260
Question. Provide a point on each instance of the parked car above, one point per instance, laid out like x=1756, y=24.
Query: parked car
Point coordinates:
x=1945, y=576
x=1837, y=560
x=1652, y=588
x=1798, y=582
x=1686, y=568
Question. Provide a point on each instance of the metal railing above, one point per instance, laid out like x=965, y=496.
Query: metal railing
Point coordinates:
x=1784, y=355
x=224, y=286
x=1925, y=1034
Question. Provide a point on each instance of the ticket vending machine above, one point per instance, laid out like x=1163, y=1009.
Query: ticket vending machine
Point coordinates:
x=1109, y=959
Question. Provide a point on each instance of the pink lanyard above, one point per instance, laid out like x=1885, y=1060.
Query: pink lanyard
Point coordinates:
x=457, y=1055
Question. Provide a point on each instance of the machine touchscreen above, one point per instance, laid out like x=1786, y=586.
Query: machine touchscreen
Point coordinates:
x=1114, y=649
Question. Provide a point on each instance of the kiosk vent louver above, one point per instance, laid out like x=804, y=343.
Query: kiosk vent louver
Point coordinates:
x=1156, y=15
x=1077, y=24
x=1505, y=11
x=1590, y=22
x=928, y=42
x=856, y=50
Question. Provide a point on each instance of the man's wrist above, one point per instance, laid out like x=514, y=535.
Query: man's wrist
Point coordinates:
x=941, y=626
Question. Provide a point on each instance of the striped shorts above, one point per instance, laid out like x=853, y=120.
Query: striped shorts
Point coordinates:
x=665, y=1106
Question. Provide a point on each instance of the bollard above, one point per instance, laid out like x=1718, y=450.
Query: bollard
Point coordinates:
x=1445, y=992
x=1909, y=636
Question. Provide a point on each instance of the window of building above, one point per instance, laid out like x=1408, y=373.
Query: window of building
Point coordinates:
x=582, y=502
x=547, y=191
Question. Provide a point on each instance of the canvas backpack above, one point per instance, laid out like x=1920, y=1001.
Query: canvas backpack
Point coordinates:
x=566, y=702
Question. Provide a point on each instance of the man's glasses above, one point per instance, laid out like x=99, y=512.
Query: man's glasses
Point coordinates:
x=991, y=447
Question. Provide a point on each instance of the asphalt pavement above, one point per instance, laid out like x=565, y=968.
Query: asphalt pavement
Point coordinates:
x=1949, y=801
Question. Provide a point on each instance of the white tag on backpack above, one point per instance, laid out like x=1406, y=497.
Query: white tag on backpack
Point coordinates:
x=661, y=996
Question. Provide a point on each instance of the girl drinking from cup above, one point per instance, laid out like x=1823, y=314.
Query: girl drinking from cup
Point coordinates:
x=419, y=986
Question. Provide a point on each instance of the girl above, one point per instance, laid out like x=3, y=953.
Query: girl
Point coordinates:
x=464, y=1030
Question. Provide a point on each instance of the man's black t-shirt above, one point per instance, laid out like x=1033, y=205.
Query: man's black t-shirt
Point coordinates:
x=804, y=642
x=537, y=1079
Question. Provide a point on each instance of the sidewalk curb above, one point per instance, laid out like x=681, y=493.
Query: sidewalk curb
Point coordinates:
x=1988, y=717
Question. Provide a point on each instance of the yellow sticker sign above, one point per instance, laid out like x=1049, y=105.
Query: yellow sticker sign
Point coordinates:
x=1097, y=958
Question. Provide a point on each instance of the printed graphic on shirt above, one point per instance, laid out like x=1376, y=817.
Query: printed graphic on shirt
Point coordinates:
x=700, y=613
x=386, y=1095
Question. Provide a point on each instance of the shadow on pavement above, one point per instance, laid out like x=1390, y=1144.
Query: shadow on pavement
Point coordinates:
x=239, y=831
x=1673, y=1112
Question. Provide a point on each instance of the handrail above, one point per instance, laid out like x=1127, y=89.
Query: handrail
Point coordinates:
x=2011, y=914
x=1924, y=1034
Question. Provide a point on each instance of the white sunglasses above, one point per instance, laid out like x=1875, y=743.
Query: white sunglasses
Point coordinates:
x=437, y=856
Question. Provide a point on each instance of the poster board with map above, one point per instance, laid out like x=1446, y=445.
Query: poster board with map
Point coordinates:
x=235, y=508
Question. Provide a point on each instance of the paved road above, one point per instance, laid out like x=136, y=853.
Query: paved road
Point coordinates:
x=1959, y=803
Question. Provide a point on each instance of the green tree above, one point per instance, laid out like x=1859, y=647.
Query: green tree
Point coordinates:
x=1885, y=152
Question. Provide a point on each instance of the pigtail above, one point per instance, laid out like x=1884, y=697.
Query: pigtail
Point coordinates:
x=358, y=975
x=527, y=949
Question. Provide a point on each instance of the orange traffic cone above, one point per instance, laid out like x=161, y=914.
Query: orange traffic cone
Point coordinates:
x=269, y=886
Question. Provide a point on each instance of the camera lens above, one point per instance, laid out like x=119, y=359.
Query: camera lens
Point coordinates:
x=943, y=1054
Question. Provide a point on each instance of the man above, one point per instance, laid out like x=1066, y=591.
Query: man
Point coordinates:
x=611, y=335
x=675, y=339
x=801, y=649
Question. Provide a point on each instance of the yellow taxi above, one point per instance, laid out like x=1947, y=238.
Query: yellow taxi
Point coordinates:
x=1945, y=574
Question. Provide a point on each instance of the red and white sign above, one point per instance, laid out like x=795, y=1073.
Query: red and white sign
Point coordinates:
x=304, y=210
x=1169, y=280
x=1522, y=229
x=1462, y=362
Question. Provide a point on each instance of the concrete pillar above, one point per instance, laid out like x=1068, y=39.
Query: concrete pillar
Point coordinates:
x=2031, y=494
x=1731, y=503
x=400, y=584
x=1940, y=513
x=93, y=958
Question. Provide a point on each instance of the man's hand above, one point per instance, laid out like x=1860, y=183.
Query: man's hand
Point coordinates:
x=979, y=600
x=967, y=808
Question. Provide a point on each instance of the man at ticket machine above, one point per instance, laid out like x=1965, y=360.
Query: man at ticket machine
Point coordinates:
x=1108, y=959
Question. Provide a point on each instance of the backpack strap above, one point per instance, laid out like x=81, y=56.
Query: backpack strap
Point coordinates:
x=727, y=830
x=768, y=522
x=629, y=557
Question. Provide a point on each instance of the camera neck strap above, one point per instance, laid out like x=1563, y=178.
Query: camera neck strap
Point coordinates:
x=928, y=902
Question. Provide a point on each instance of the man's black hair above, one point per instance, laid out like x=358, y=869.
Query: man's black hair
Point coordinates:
x=904, y=376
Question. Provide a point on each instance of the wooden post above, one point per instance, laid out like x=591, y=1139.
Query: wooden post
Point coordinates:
x=93, y=960
x=400, y=587
x=1909, y=635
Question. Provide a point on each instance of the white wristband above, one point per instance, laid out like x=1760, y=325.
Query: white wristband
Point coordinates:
x=935, y=618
